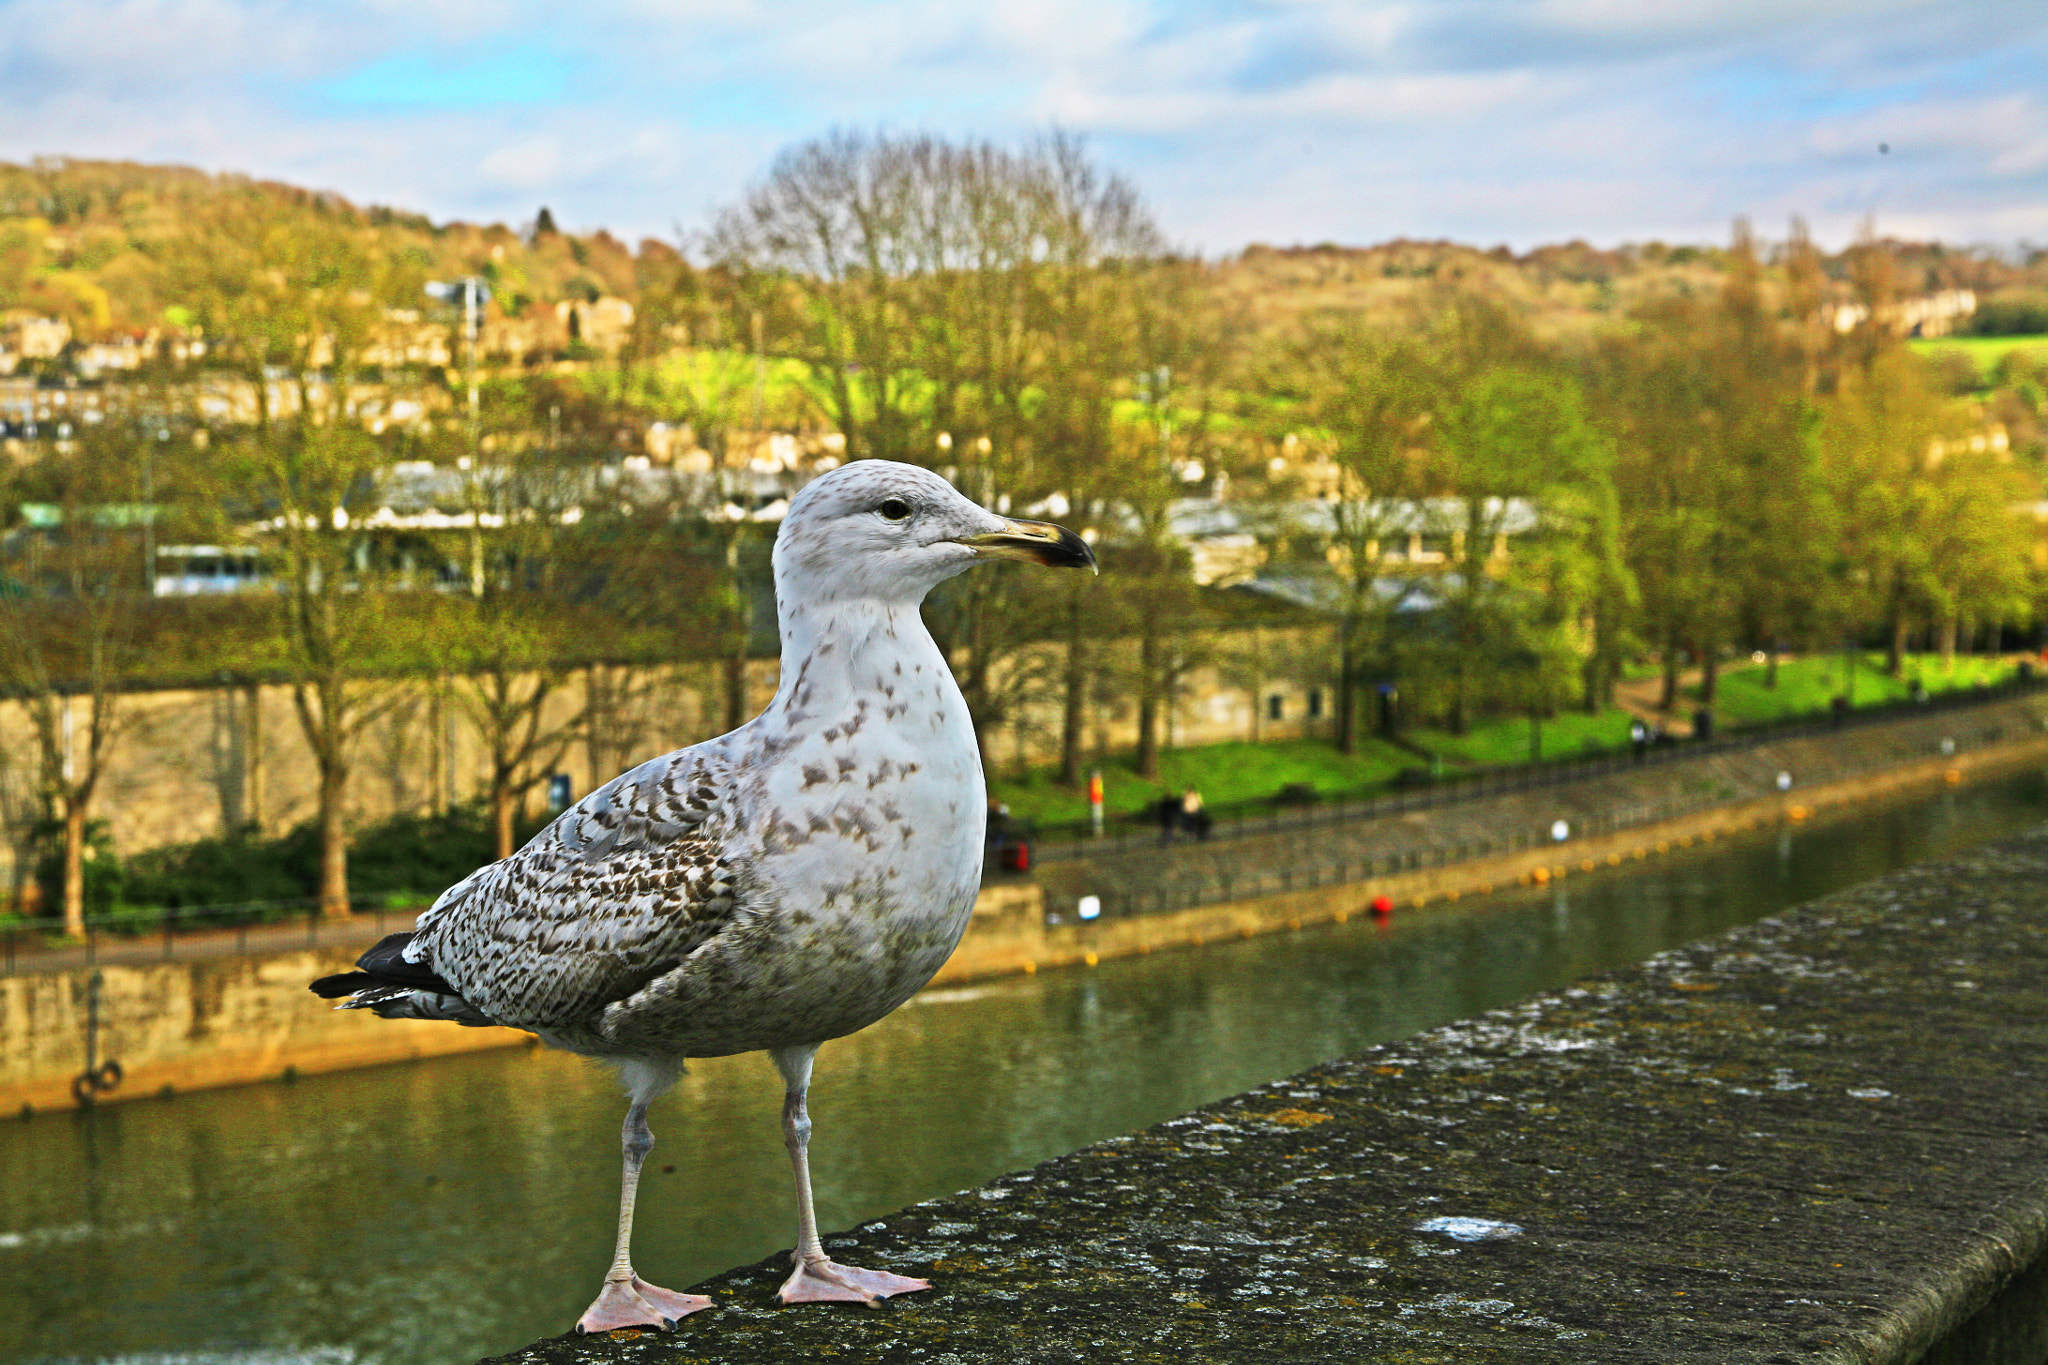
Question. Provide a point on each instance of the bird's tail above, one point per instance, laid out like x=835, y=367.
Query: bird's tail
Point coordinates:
x=391, y=987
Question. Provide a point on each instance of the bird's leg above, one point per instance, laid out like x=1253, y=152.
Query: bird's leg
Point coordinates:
x=627, y=1300
x=817, y=1278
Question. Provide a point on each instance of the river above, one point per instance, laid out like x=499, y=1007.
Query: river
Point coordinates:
x=435, y=1212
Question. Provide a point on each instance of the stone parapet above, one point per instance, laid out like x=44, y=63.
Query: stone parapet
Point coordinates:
x=1820, y=1138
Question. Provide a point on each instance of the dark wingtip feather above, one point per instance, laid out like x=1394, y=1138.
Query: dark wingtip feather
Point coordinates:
x=384, y=965
x=347, y=983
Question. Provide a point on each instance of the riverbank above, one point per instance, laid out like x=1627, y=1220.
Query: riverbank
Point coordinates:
x=1819, y=1138
x=226, y=1019
x=1187, y=894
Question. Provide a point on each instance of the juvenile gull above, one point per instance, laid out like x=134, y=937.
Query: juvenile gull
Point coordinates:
x=777, y=887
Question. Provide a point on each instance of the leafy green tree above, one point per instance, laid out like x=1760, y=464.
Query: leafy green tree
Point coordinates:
x=1718, y=477
x=289, y=308
x=1369, y=394
x=1932, y=532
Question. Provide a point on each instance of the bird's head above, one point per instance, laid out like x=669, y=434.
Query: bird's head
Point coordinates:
x=892, y=532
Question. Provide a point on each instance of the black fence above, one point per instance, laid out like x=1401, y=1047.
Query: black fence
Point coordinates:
x=1132, y=832
x=1218, y=881
x=162, y=935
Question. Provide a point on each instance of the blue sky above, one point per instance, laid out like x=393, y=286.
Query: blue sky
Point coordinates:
x=1518, y=121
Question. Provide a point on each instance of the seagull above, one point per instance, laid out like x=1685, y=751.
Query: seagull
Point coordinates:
x=772, y=889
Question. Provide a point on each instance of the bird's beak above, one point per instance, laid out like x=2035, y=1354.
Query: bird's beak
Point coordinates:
x=1041, y=542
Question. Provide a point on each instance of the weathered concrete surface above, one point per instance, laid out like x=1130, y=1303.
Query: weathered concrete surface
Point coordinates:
x=1822, y=1138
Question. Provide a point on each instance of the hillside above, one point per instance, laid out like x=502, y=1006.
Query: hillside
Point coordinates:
x=86, y=241
x=1568, y=289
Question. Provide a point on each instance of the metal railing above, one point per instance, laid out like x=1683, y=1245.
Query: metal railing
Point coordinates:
x=1229, y=882
x=162, y=935
x=1053, y=843
x=167, y=934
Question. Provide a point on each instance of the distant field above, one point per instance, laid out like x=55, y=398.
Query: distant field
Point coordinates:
x=1984, y=351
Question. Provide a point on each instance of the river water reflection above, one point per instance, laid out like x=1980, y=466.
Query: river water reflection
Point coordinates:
x=432, y=1213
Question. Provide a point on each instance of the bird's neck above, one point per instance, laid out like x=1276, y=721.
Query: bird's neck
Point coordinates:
x=835, y=650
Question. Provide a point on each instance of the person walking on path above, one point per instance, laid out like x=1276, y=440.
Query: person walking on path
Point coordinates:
x=1169, y=817
x=1193, y=818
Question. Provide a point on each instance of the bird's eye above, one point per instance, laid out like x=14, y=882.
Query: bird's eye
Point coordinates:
x=893, y=509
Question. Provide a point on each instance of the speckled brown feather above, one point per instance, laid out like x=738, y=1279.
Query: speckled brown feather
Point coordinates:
x=616, y=892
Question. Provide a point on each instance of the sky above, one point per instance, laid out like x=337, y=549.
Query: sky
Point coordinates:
x=1240, y=121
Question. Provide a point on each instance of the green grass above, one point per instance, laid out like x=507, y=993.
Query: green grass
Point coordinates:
x=1984, y=352
x=1505, y=739
x=1241, y=772
x=1807, y=685
x=1225, y=774
x=1238, y=772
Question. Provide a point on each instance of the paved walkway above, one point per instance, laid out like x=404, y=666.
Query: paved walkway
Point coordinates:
x=1134, y=878
x=1332, y=844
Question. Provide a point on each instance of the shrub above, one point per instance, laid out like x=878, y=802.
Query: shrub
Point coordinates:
x=402, y=858
x=2006, y=315
x=231, y=869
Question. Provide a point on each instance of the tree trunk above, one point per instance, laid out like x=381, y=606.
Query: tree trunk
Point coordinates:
x=1948, y=645
x=501, y=813
x=1347, y=686
x=740, y=625
x=252, y=761
x=736, y=689
x=1669, y=702
x=74, y=867
x=1895, y=648
x=1073, y=712
x=333, y=840
x=1258, y=685
x=1710, y=674
x=1148, y=699
x=1771, y=666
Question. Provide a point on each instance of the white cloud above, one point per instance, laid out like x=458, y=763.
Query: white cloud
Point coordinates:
x=1278, y=120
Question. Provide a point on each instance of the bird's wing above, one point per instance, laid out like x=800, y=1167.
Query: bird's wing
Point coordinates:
x=617, y=891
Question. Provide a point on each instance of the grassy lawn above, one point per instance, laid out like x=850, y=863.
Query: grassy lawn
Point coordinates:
x=1806, y=685
x=1224, y=774
x=1984, y=351
x=1506, y=739
x=1238, y=772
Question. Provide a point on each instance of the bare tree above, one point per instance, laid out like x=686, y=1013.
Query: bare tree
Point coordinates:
x=70, y=630
x=967, y=307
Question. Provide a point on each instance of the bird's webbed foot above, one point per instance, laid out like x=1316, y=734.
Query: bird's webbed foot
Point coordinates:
x=636, y=1303
x=826, y=1281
